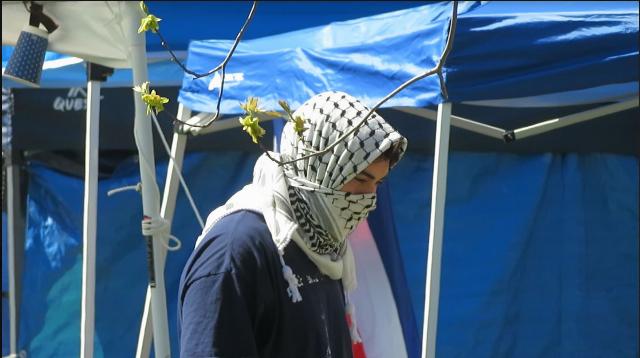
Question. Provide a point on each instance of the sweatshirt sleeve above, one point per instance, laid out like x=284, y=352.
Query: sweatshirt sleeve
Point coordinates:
x=215, y=319
x=225, y=290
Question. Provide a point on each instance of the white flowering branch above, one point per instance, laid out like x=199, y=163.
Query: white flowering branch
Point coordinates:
x=436, y=70
x=150, y=23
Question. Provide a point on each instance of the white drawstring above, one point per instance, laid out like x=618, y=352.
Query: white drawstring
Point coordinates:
x=137, y=187
x=293, y=291
x=178, y=170
x=159, y=227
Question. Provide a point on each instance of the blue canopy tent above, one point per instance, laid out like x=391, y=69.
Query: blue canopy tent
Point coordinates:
x=64, y=71
x=518, y=71
x=539, y=239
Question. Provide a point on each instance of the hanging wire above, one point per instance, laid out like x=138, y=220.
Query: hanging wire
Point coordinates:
x=222, y=66
x=178, y=170
x=437, y=69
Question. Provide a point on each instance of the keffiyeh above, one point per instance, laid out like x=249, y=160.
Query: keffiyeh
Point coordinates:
x=302, y=201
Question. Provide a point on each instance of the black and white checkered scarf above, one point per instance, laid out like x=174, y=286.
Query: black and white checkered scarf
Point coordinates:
x=302, y=201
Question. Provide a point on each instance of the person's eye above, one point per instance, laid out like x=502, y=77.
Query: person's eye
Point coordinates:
x=361, y=180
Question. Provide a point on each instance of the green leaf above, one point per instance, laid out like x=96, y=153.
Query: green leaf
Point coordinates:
x=298, y=125
x=151, y=99
x=251, y=106
x=154, y=100
x=251, y=125
x=149, y=22
x=285, y=106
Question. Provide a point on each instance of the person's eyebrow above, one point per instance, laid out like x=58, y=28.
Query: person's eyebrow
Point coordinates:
x=370, y=176
x=367, y=174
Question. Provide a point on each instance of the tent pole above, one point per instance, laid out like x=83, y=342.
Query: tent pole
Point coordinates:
x=574, y=118
x=167, y=211
x=89, y=219
x=150, y=197
x=436, y=229
x=15, y=242
x=150, y=193
x=457, y=121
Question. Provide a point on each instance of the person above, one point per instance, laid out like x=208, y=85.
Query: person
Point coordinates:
x=270, y=272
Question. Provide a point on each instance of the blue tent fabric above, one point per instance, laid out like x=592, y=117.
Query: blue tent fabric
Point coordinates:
x=53, y=275
x=500, y=52
x=381, y=52
x=554, y=48
x=272, y=17
x=384, y=232
x=540, y=253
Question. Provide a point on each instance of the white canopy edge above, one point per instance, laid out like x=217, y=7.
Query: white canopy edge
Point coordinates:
x=96, y=31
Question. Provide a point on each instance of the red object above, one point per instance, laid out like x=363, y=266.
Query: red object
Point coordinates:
x=356, y=348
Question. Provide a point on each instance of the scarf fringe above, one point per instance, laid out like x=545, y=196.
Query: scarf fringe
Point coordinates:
x=292, y=290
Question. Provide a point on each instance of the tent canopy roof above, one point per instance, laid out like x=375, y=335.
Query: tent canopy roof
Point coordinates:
x=541, y=54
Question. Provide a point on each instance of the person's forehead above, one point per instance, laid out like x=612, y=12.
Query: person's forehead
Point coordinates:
x=377, y=168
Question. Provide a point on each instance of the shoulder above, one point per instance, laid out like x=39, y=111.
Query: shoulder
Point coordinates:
x=238, y=241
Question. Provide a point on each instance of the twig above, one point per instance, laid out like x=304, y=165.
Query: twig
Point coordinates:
x=222, y=66
x=224, y=62
x=437, y=69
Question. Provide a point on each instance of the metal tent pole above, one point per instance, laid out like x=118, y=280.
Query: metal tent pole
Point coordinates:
x=167, y=210
x=150, y=201
x=528, y=131
x=95, y=74
x=150, y=192
x=436, y=229
x=574, y=118
x=457, y=121
x=15, y=242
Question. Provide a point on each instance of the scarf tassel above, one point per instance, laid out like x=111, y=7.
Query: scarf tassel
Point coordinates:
x=292, y=290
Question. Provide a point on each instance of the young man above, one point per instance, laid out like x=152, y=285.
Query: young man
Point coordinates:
x=270, y=271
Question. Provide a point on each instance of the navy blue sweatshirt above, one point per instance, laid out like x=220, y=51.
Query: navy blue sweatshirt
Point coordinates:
x=233, y=298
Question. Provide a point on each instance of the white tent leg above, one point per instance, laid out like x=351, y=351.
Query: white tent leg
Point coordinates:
x=438, y=197
x=150, y=192
x=171, y=187
x=89, y=219
x=15, y=244
x=150, y=201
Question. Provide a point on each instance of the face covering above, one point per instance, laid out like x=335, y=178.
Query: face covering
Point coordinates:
x=326, y=215
x=302, y=201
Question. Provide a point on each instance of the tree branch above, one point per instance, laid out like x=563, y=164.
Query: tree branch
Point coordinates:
x=437, y=69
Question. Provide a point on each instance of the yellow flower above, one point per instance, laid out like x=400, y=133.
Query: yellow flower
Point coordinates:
x=251, y=125
x=149, y=22
x=152, y=99
x=298, y=125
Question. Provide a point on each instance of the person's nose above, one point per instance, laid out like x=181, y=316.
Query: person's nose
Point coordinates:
x=371, y=188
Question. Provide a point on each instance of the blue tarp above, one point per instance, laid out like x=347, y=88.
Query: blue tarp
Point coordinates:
x=272, y=17
x=500, y=51
x=540, y=253
x=50, y=309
